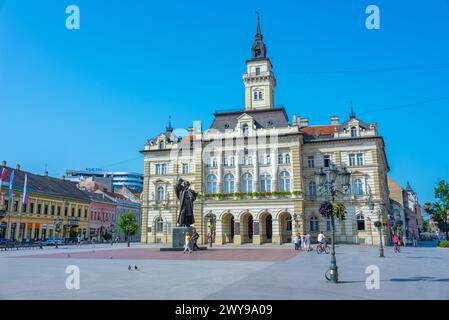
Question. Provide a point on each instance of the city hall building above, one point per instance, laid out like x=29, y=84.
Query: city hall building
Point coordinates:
x=254, y=171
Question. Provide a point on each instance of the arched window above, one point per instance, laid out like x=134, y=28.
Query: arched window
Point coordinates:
x=312, y=188
x=360, y=222
x=284, y=181
x=160, y=193
x=245, y=130
x=353, y=132
x=314, y=224
x=260, y=95
x=247, y=182
x=211, y=184
x=265, y=182
x=287, y=158
x=329, y=224
x=358, y=187
x=255, y=95
x=229, y=183
x=159, y=225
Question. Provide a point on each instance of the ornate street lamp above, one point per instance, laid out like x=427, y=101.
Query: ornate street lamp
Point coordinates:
x=378, y=224
x=332, y=183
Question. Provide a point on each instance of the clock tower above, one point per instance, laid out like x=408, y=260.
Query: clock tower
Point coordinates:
x=259, y=78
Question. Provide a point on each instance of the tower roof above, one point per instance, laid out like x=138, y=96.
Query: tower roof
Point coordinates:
x=259, y=50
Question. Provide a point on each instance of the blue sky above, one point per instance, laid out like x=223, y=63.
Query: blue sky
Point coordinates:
x=91, y=97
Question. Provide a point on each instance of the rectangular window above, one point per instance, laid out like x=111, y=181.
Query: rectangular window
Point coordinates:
x=257, y=71
x=327, y=161
x=360, y=159
x=7, y=204
x=79, y=213
x=73, y=212
x=311, y=162
x=39, y=208
x=185, y=168
x=24, y=207
x=32, y=207
x=52, y=210
x=66, y=211
x=59, y=211
x=352, y=159
x=46, y=209
x=85, y=213
x=158, y=169
x=16, y=206
x=268, y=159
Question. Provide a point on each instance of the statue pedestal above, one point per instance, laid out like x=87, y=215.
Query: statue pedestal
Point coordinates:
x=179, y=238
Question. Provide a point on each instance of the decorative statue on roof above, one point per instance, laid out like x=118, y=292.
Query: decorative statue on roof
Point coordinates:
x=186, y=198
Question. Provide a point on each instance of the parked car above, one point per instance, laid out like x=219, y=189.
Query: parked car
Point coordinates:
x=53, y=242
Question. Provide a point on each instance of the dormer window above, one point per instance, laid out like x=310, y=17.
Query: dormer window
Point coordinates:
x=245, y=130
x=353, y=132
x=161, y=145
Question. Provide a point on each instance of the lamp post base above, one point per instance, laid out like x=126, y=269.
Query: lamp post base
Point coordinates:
x=381, y=252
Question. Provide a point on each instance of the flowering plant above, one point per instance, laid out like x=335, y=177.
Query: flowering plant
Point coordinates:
x=336, y=209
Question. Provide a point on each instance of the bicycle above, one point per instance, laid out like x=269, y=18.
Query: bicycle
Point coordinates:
x=397, y=249
x=322, y=248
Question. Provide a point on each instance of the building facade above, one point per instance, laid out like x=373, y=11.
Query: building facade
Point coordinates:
x=254, y=170
x=102, y=218
x=131, y=180
x=56, y=208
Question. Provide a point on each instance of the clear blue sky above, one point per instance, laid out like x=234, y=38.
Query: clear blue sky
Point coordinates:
x=91, y=98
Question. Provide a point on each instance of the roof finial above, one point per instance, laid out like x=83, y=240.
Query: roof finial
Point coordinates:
x=169, y=128
x=352, y=114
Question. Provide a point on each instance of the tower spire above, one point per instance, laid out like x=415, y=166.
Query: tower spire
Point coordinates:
x=352, y=113
x=169, y=128
x=259, y=50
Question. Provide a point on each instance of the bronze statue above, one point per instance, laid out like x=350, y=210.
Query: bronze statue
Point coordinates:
x=186, y=197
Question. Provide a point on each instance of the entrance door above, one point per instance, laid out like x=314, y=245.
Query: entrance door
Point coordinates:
x=250, y=228
x=269, y=226
x=232, y=228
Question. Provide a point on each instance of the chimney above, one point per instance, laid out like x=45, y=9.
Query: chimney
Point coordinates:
x=4, y=163
x=303, y=122
x=334, y=120
x=46, y=173
x=191, y=131
x=18, y=167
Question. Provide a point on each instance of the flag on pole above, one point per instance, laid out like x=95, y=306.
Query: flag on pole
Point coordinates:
x=2, y=176
x=25, y=191
x=11, y=182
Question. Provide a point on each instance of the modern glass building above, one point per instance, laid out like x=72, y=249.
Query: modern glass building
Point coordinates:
x=132, y=180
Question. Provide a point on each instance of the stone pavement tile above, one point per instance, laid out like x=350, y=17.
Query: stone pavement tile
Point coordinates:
x=144, y=253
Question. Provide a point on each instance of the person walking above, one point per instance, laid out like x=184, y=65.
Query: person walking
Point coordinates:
x=79, y=240
x=187, y=243
x=404, y=239
x=396, y=243
x=308, y=241
x=415, y=241
x=195, y=237
x=297, y=242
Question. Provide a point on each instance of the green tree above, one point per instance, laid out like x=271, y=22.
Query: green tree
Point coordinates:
x=128, y=225
x=425, y=226
x=438, y=210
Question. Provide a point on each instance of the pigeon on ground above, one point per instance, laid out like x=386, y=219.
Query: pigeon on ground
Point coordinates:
x=135, y=267
x=129, y=268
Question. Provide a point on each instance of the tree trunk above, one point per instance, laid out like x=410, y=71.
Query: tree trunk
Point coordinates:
x=127, y=239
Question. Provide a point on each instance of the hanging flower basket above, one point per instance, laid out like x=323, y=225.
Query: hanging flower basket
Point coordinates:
x=328, y=209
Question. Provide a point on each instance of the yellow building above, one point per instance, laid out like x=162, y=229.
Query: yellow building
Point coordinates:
x=56, y=208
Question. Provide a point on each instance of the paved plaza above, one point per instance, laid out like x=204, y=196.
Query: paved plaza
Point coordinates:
x=224, y=272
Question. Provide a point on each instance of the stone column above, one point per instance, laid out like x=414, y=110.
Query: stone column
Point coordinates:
x=276, y=237
x=274, y=170
x=237, y=171
x=145, y=203
x=220, y=172
x=256, y=172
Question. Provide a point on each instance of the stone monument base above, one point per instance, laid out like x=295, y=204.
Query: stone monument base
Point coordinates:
x=178, y=239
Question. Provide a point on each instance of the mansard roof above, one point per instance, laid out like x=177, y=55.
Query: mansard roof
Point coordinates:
x=44, y=185
x=264, y=118
x=313, y=132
